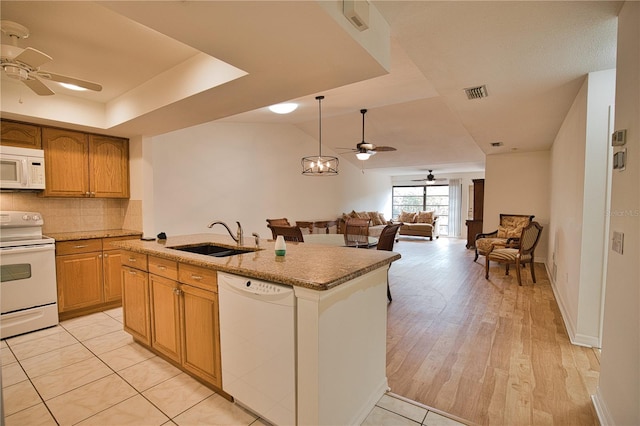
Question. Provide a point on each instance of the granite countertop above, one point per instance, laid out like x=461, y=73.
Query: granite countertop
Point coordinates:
x=86, y=235
x=308, y=265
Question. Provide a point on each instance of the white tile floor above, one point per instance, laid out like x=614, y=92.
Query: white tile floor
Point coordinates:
x=88, y=371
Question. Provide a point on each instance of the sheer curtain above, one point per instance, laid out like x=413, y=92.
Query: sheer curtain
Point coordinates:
x=455, y=207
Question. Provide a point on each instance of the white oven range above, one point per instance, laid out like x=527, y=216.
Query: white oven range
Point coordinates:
x=28, y=295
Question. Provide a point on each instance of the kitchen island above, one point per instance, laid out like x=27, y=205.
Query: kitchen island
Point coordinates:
x=340, y=314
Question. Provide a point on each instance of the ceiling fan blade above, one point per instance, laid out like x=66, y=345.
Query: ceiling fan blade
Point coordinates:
x=33, y=57
x=38, y=87
x=384, y=148
x=70, y=80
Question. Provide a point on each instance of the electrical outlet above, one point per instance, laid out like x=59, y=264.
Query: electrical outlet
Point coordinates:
x=618, y=242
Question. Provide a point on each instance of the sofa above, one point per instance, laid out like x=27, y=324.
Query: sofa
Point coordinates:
x=376, y=224
x=418, y=224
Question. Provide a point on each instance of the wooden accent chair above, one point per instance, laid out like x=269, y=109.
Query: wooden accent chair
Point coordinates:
x=385, y=242
x=519, y=256
x=356, y=232
x=290, y=233
x=278, y=222
x=508, y=233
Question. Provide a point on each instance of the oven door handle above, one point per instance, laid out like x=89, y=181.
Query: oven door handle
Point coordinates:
x=28, y=249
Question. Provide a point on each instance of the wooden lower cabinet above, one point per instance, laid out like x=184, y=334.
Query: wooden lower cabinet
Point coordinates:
x=79, y=278
x=135, y=303
x=165, y=317
x=201, y=329
x=183, y=319
x=89, y=276
x=112, y=275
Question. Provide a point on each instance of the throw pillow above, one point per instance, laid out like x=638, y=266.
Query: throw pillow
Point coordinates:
x=424, y=217
x=353, y=214
x=363, y=215
x=407, y=217
x=383, y=221
x=375, y=219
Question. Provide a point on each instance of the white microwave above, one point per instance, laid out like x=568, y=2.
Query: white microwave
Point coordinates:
x=21, y=168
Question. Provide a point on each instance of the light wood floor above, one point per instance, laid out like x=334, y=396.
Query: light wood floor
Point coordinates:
x=490, y=352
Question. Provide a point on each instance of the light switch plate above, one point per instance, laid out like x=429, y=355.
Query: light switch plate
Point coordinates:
x=618, y=242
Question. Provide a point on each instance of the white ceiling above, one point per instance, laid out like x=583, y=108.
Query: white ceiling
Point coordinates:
x=532, y=56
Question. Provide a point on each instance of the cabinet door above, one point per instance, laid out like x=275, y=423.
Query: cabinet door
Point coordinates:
x=66, y=155
x=112, y=275
x=20, y=134
x=165, y=316
x=79, y=280
x=135, y=303
x=109, y=167
x=201, y=331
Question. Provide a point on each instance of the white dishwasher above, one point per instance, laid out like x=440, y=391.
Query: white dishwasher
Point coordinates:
x=257, y=342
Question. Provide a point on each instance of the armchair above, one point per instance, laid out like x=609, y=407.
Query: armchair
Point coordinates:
x=508, y=233
x=520, y=256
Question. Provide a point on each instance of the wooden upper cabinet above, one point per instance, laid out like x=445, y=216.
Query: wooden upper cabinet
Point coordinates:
x=66, y=158
x=84, y=165
x=23, y=135
x=108, y=167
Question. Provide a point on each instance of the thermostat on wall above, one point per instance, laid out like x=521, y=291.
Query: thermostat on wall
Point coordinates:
x=619, y=137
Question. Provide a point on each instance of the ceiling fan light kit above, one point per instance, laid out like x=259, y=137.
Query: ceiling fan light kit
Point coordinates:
x=365, y=150
x=319, y=165
x=24, y=64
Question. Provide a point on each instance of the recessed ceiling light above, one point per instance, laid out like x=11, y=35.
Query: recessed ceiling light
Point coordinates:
x=496, y=144
x=285, y=108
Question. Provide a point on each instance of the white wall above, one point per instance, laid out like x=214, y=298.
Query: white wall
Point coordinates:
x=248, y=173
x=618, y=396
x=577, y=233
x=518, y=183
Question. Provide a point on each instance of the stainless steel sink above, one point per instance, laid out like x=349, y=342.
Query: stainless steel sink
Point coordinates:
x=211, y=250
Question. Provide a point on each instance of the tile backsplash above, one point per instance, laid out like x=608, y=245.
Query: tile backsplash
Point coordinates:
x=77, y=214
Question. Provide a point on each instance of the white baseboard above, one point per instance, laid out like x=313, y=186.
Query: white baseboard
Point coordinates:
x=604, y=417
x=574, y=337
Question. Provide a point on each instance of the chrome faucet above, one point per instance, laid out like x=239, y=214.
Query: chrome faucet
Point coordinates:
x=239, y=238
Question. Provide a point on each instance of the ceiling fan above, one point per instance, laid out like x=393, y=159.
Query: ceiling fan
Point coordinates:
x=364, y=150
x=430, y=179
x=24, y=64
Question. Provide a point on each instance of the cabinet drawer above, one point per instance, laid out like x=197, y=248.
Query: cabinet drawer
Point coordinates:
x=206, y=279
x=163, y=267
x=78, y=246
x=134, y=260
x=106, y=242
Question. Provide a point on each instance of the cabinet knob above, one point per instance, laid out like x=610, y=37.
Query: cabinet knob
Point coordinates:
x=88, y=194
x=132, y=259
x=99, y=256
x=79, y=246
x=162, y=267
x=196, y=277
x=106, y=255
x=133, y=273
x=177, y=291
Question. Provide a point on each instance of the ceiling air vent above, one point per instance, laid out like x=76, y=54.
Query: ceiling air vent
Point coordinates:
x=476, y=92
x=496, y=144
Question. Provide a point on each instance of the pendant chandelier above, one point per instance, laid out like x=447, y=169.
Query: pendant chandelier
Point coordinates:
x=320, y=165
